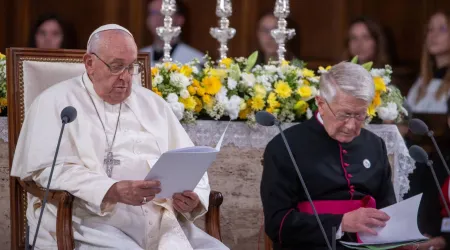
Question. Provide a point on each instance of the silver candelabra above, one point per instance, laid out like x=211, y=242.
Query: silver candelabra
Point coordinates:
x=168, y=32
x=282, y=33
x=224, y=32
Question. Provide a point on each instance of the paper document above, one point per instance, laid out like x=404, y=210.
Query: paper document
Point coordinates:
x=182, y=169
x=400, y=229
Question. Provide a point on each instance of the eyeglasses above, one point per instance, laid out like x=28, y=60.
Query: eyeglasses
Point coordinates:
x=134, y=68
x=342, y=116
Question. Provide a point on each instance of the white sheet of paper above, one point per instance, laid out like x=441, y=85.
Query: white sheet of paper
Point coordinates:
x=182, y=169
x=402, y=225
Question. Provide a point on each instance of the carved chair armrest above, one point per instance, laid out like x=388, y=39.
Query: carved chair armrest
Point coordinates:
x=63, y=201
x=212, y=220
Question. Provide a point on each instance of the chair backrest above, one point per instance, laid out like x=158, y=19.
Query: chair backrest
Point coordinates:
x=29, y=72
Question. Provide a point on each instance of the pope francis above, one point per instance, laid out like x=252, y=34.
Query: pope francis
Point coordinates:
x=120, y=132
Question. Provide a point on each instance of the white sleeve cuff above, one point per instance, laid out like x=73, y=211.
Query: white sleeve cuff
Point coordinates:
x=339, y=232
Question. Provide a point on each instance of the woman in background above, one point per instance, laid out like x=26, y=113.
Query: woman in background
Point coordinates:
x=367, y=40
x=50, y=32
x=267, y=45
x=430, y=92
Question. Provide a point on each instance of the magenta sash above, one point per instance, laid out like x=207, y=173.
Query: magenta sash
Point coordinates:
x=337, y=206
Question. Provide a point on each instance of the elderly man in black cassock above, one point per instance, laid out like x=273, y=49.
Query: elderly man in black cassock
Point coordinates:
x=345, y=168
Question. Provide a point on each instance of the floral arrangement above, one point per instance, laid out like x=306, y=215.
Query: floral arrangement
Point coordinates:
x=236, y=88
x=3, y=102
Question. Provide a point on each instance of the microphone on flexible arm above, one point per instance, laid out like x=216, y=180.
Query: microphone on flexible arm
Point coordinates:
x=419, y=155
x=265, y=118
x=418, y=127
x=68, y=115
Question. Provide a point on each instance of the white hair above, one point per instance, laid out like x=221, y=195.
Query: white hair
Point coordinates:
x=97, y=40
x=350, y=78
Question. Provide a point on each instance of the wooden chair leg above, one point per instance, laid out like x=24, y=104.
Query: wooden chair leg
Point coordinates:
x=212, y=218
x=64, y=232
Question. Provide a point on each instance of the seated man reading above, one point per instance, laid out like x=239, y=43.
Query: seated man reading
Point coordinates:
x=345, y=167
x=114, y=207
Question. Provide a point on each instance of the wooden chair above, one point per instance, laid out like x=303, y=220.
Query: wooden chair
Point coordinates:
x=22, y=89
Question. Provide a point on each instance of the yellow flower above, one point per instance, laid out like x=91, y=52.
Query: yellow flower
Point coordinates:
x=174, y=67
x=282, y=89
x=284, y=63
x=3, y=102
x=196, y=83
x=260, y=91
x=379, y=84
x=155, y=89
x=305, y=82
x=212, y=85
x=301, y=107
x=270, y=110
x=201, y=91
x=199, y=105
x=154, y=72
x=189, y=103
x=307, y=72
x=186, y=70
x=257, y=103
x=206, y=99
x=244, y=113
x=226, y=62
x=376, y=99
x=371, y=111
x=192, y=90
x=218, y=73
x=304, y=91
x=324, y=69
x=2, y=56
x=272, y=101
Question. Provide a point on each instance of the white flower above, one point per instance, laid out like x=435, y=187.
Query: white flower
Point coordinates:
x=158, y=80
x=221, y=96
x=233, y=107
x=172, y=98
x=178, y=109
x=179, y=80
x=388, y=112
x=194, y=69
x=386, y=80
x=249, y=80
x=272, y=69
x=184, y=93
x=309, y=113
x=404, y=111
x=315, y=79
x=377, y=72
x=231, y=83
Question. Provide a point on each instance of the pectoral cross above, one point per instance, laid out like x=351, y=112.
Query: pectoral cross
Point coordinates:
x=110, y=163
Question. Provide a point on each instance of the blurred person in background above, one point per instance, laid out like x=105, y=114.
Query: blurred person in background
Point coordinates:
x=267, y=46
x=430, y=92
x=51, y=32
x=368, y=41
x=181, y=52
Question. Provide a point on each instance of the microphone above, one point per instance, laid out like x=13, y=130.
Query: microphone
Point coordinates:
x=418, y=127
x=419, y=155
x=265, y=118
x=68, y=115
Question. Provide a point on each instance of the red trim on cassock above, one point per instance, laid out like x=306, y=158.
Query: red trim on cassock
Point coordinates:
x=282, y=222
x=346, y=175
x=337, y=206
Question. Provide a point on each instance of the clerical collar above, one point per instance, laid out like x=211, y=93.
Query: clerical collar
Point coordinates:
x=319, y=118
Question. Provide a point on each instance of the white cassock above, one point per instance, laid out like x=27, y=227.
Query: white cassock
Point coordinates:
x=183, y=53
x=147, y=128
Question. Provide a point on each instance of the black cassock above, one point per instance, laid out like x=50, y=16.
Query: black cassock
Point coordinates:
x=332, y=171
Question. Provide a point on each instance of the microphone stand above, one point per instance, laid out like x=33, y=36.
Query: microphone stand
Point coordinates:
x=430, y=164
x=64, y=122
x=430, y=134
x=277, y=123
